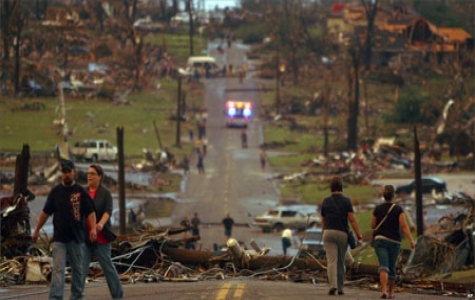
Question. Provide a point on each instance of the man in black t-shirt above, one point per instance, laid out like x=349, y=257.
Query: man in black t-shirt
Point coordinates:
x=71, y=206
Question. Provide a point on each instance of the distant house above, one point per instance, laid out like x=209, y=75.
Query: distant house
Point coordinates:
x=398, y=30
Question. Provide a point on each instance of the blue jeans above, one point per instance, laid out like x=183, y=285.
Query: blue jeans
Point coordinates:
x=60, y=254
x=387, y=253
x=103, y=254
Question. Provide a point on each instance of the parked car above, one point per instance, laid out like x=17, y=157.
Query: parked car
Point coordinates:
x=95, y=150
x=428, y=185
x=281, y=218
x=313, y=243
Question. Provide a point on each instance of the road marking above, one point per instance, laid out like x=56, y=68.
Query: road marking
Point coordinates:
x=239, y=291
x=225, y=289
x=226, y=185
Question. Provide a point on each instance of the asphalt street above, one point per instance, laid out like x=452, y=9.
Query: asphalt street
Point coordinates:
x=235, y=183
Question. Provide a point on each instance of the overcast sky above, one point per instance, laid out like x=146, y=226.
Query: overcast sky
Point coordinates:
x=211, y=4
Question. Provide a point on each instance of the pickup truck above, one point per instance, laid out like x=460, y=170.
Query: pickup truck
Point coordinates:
x=94, y=150
x=281, y=218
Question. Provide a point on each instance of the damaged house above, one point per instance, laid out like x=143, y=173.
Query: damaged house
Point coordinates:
x=401, y=34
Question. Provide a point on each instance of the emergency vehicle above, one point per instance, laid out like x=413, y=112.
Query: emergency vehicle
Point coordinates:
x=238, y=113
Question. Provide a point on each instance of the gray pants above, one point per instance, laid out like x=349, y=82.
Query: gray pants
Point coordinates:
x=335, y=243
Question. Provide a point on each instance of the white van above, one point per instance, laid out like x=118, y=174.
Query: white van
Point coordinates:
x=201, y=61
x=196, y=66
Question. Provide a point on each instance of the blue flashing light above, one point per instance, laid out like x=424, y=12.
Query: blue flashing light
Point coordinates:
x=231, y=111
x=247, y=112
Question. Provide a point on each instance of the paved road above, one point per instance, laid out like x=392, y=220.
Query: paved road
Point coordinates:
x=233, y=183
x=230, y=288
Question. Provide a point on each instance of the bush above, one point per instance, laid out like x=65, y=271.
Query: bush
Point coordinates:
x=250, y=34
x=410, y=108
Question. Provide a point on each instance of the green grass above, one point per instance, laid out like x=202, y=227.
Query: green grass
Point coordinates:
x=312, y=192
x=305, y=137
x=95, y=119
x=178, y=45
x=99, y=119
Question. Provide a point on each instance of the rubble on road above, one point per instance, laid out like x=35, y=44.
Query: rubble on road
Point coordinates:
x=154, y=255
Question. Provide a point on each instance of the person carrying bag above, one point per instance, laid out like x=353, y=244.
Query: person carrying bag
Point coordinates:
x=389, y=224
x=336, y=212
x=373, y=236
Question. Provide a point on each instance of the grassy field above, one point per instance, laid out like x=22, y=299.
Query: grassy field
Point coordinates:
x=22, y=124
x=93, y=119
x=178, y=45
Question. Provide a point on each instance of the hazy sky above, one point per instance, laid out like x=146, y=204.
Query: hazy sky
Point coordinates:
x=211, y=4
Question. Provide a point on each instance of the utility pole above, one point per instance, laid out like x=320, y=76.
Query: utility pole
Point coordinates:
x=121, y=180
x=178, y=114
x=277, y=81
x=418, y=185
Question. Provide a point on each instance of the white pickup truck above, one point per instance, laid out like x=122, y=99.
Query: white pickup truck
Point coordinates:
x=291, y=217
x=95, y=150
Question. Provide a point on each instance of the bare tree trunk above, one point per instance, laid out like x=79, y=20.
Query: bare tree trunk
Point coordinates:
x=326, y=105
x=189, y=7
x=290, y=38
x=366, y=112
x=5, y=19
x=371, y=10
x=354, y=101
x=17, y=74
x=19, y=22
x=99, y=15
x=175, y=7
x=138, y=61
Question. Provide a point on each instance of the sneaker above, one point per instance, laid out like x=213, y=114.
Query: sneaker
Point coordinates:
x=332, y=291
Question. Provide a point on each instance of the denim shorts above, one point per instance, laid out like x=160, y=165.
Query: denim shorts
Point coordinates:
x=388, y=253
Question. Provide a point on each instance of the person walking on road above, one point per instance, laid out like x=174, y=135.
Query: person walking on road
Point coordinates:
x=186, y=165
x=336, y=211
x=263, y=158
x=102, y=199
x=204, y=145
x=185, y=223
x=71, y=207
x=200, y=165
x=243, y=138
x=197, y=146
x=388, y=221
x=195, y=225
x=228, y=224
x=286, y=240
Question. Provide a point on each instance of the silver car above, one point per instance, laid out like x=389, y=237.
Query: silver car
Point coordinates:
x=281, y=218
